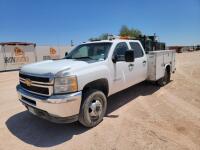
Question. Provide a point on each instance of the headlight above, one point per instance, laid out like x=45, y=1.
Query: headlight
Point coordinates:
x=65, y=85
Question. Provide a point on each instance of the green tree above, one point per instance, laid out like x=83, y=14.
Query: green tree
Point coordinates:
x=103, y=36
x=124, y=31
x=132, y=32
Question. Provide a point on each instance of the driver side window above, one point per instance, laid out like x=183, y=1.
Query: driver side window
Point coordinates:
x=83, y=52
x=120, y=50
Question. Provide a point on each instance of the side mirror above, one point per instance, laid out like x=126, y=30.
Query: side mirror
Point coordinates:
x=66, y=53
x=129, y=56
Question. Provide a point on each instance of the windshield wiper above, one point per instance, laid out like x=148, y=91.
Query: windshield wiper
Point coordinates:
x=67, y=57
x=86, y=57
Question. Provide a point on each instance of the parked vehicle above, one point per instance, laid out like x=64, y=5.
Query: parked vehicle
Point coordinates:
x=76, y=87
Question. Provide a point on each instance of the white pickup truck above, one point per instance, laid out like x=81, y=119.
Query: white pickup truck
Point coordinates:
x=76, y=87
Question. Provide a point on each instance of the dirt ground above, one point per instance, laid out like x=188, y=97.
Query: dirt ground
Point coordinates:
x=141, y=117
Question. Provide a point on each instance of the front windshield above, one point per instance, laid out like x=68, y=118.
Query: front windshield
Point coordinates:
x=94, y=51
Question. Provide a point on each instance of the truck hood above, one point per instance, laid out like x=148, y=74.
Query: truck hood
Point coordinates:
x=53, y=66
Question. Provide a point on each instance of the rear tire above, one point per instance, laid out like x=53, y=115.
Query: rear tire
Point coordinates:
x=93, y=108
x=164, y=80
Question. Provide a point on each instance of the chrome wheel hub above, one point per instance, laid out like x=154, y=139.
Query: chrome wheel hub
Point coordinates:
x=95, y=109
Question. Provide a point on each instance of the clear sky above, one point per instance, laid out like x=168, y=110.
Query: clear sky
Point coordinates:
x=177, y=22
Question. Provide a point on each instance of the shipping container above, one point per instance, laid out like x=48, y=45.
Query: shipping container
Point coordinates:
x=17, y=54
x=51, y=52
x=2, y=67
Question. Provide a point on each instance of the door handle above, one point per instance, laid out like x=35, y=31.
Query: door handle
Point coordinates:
x=131, y=65
x=144, y=62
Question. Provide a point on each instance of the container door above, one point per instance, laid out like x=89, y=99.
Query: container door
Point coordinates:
x=2, y=68
x=47, y=52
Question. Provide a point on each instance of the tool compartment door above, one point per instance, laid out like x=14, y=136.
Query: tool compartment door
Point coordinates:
x=160, y=65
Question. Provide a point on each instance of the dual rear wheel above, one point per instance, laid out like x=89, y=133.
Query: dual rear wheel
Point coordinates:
x=166, y=79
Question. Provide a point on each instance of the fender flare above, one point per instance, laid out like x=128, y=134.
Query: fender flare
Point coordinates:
x=168, y=66
x=99, y=84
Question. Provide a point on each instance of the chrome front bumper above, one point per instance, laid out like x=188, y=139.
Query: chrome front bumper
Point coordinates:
x=58, y=106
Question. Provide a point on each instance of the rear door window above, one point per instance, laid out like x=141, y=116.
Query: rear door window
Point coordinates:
x=137, y=49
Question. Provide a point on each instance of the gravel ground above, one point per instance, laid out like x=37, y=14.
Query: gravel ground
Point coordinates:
x=141, y=117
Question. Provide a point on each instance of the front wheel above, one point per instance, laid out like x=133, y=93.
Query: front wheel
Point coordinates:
x=93, y=108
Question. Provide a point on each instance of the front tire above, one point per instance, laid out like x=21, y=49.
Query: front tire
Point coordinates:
x=93, y=108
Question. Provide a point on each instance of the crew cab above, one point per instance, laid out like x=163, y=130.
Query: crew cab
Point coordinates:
x=76, y=87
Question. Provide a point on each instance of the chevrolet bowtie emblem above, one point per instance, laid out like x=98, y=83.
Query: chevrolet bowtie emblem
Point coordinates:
x=28, y=82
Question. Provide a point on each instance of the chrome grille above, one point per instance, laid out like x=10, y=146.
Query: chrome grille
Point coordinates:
x=39, y=85
x=35, y=78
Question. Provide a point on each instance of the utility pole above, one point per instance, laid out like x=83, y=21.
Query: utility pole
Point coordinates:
x=72, y=43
